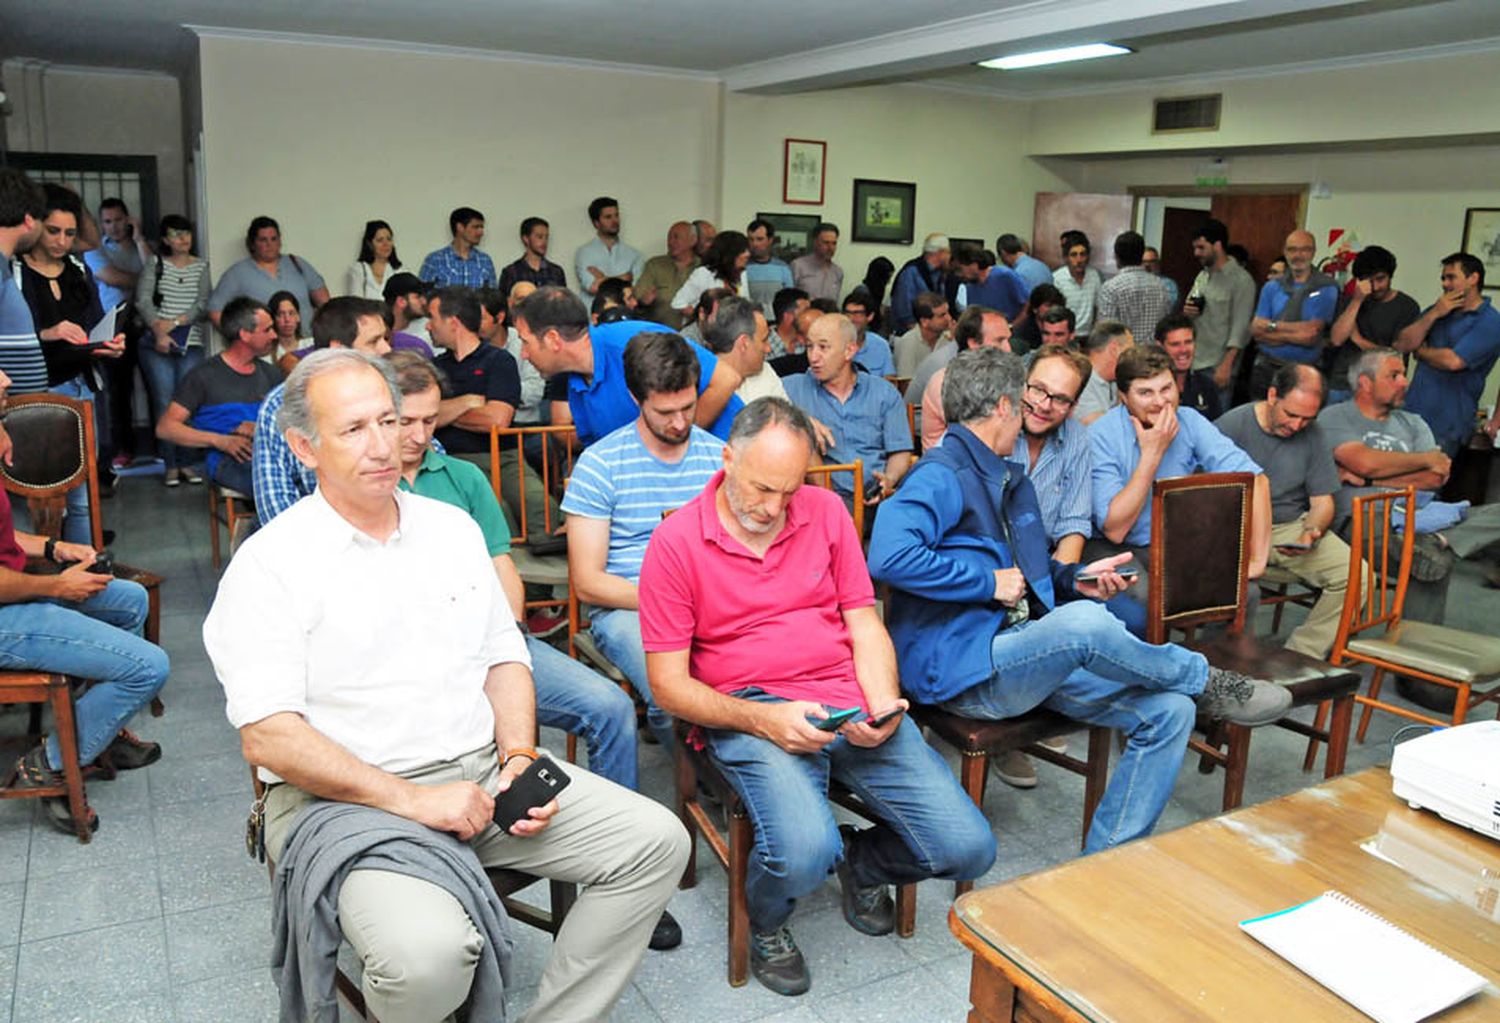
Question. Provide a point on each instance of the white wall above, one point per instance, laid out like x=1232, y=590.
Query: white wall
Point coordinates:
x=1151, y=211
x=101, y=111
x=325, y=137
x=963, y=152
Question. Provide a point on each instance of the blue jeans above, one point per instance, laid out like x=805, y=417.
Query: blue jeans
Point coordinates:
x=236, y=476
x=76, y=527
x=97, y=640
x=1080, y=661
x=617, y=633
x=163, y=374
x=571, y=697
x=927, y=826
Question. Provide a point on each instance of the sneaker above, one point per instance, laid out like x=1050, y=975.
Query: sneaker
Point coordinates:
x=869, y=910
x=33, y=772
x=191, y=475
x=545, y=621
x=172, y=478
x=1242, y=700
x=1016, y=770
x=122, y=461
x=1431, y=559
x=127, y=751
x=1057, y=744
x=666, y=934
x=777, y=962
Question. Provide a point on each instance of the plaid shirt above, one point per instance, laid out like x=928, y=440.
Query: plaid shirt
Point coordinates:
x=520, y=270
x=1137, y=298
x=444, y=267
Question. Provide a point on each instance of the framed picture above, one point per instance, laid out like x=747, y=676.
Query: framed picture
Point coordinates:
x=884, y=211
x=957, y=243
x=802, y=171
x=1482, y=240
x=793, y=233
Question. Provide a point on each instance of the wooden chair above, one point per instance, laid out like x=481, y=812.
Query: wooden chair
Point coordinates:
x=232, y=510
x=1279, y=587
x=1376, y=634
x=1199, y=575
x=695, y=772
x=507, y=883
x=538, y=569
x=35, y=688
x=53, y=454
x=822, y=475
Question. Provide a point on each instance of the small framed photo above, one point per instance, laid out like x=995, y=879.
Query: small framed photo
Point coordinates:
x=884, y=211
x=958, y=244
x=1482, y=240
x=793, y=233
x=802, y=171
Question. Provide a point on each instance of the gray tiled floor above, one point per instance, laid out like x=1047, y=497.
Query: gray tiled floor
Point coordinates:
x=162, y=918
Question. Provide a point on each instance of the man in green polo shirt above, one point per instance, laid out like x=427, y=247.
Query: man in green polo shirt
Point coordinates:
x=568, y=695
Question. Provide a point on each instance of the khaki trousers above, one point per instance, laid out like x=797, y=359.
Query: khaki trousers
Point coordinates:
x=1326, y=566
x=419, y=948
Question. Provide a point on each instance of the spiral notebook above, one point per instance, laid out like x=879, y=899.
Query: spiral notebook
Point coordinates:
x=1367, y=961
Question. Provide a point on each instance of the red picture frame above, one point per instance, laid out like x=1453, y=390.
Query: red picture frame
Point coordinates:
x=804, y=164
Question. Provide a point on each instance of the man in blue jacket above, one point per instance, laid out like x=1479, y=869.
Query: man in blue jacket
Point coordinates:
x=987, y=625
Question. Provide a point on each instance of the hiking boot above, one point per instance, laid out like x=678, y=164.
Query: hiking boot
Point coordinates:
x=869, y=910
x=32, y=772
x=127, y=751
x=1242, y=700
x=666, y=934
x=1431, y=559
x=1016, y=770
x=777, y=962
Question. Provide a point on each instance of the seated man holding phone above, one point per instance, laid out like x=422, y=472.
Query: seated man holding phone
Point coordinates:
x=794, y=679
x=988, y=625
x=385, y=669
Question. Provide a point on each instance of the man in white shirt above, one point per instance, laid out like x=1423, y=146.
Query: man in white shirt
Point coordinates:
x=1078, y=281
x=384, y=669
x=739, y=334
x=605, y=257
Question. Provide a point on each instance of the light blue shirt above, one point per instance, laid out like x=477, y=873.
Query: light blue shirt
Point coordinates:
x=874, y=355
x=1033, y=271
x=619, y=480
x=615, y=262
x=764, y=280
x=297, y=275
x=1198, y=447
x=1062, y=479
x=870, y=424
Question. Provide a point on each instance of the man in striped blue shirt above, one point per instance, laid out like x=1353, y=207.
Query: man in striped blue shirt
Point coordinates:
x=623, y=484
x=21, y=208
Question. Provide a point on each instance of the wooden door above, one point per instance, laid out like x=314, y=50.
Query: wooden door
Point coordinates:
x=1177, y=259
x=1260, y=223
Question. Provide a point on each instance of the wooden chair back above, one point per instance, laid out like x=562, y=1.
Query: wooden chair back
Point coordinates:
x=54, y=454
x=1200, y=553
x=1385, y=574
x=822, y=475
x=514, y=437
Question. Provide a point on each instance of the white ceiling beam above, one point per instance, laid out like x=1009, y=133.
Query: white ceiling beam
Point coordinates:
x=1029, y=26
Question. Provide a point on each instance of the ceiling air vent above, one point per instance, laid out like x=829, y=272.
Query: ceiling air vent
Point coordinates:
x=1187, y=113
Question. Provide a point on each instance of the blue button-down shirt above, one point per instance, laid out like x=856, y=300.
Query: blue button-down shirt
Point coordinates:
x=874, y=355
x=870, y=424
x=1448, y=399
x=446, y=267
x=1061, y=479
x=1198, y=447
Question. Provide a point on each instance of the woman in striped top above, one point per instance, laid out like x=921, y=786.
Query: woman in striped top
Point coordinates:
x=172, y=297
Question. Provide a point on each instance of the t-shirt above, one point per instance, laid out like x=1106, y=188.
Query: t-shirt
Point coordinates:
x=618, y=479
x=776, y=622
x=11, y=555
x=293, y=274
x=20, y=351
x=1300, y=467
x=463, y=485
x=602, y=403
x=1003, y=290
x=486, y=370
x=1377, y=321
x=1401, y=431
x=218, y=398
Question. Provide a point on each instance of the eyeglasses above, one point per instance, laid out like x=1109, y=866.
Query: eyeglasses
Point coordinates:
x=1037, y=394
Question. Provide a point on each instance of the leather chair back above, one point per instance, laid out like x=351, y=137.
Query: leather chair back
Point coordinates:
x=1200, y=552
x=53, y=453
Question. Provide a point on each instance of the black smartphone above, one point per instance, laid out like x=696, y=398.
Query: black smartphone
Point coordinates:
x=1127, y=571
x=536, y=786
x=104, y=564
x=883, y=719
x=835, y=719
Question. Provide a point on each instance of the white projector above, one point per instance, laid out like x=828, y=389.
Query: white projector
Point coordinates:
x=1454, y=772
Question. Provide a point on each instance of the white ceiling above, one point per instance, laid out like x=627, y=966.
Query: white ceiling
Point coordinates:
x=790, y=45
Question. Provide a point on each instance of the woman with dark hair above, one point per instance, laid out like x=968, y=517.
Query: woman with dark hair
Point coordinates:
x=877, y=278
x=286, y=317
x=64, y=307
x=172, y=298
x=266, y=271
x=377, y=258
x=723, y=267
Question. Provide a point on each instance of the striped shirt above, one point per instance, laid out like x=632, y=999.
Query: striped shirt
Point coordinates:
x=184, y=292
x=1061, y=478
x=20, y=349
x=617, y=479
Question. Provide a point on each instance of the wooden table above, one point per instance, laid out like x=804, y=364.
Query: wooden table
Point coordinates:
x=1149, y=931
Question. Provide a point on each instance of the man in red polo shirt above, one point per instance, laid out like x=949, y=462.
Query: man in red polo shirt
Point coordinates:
x=798, y=641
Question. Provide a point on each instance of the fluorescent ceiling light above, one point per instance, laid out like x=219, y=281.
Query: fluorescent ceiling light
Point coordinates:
x=1062, y=56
